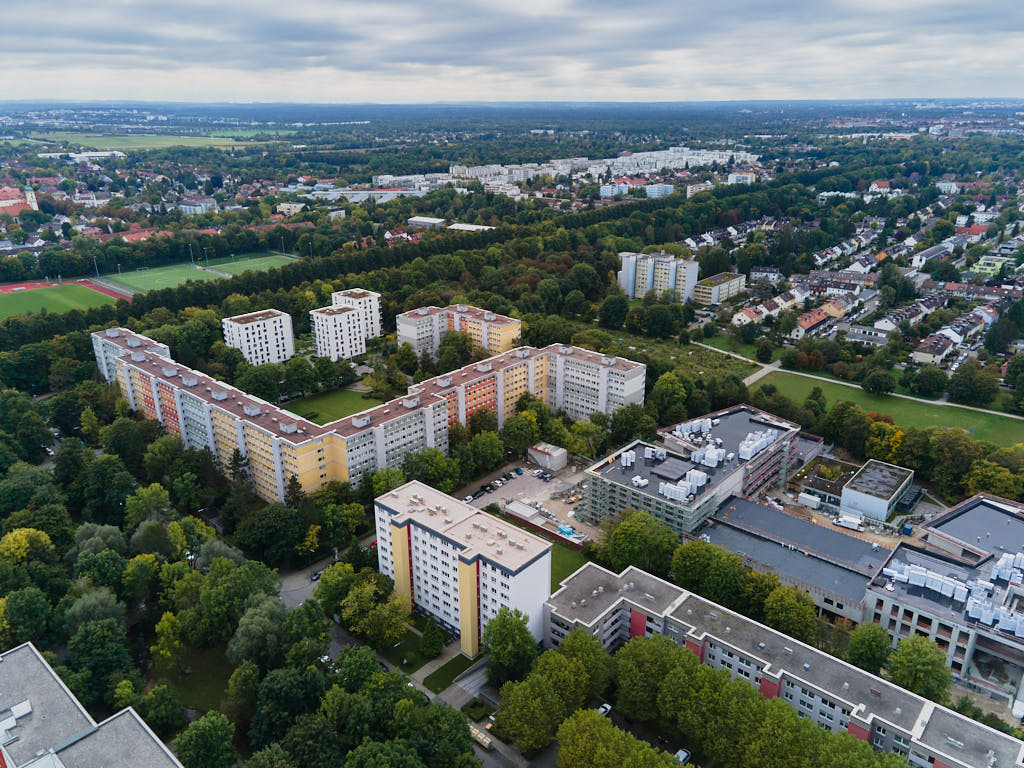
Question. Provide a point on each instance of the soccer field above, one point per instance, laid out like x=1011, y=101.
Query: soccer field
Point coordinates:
x=159, y=277
x=248, y=261
x=330, y=406
x=59, y=298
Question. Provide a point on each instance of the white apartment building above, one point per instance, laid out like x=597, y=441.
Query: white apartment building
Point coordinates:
x=423, y=327
x=367, y=303
x=263, y=337
x=338, y=332
x=458, y=564
x=660, y=272
x=586, y=381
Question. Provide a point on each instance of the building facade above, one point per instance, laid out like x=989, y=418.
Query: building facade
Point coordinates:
x=458, y=564
x=262, y=337
x=658, y=272
x=338, y=332
x=831, y=693
x=277, y=444
x=367, y=303
x=718, y=288
x=422, y=328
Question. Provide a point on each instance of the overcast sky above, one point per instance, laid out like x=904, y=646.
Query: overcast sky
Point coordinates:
x=395, y=51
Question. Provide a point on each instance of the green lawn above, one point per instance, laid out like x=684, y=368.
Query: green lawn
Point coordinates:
x=747, y=350
x=444, y=676
x=330, y=406
x=406, y=655
x=907, y=413
x=159, y=277
x=59, y=298
x=207, y=682
x=248, y=262
x=564, y=561
x=105, y=141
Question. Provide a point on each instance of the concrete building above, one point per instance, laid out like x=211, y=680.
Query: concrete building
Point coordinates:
x=866, y=336
x=741, y=178
x=458, y=564
x=422, y=328
x=290, y=209
x=338, y=332
x=831, y=693
x=43, y=725
x=550, y=457
x=659, y=272
x=659, y=190
x=738, y=451
x=718, y=288
x=875, y=489
x=367, y=303
x=425, y=222
x=211, y=415
x=932, y=350
x=262, y=337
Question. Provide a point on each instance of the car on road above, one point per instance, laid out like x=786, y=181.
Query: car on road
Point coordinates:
x=468, y=499
x=682, y=755
x=315, y=575
x=605, y=709
x=477, y=495
x=498, y=482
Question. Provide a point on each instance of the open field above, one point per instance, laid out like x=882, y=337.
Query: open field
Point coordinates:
x=747, y=350
x=57, y=298
x=907, y=413
x=564, y=561
x=105, y=141
x=159, y=277
x=246, y=133
x=247, y=262
x=206, y=681
x=329, y=406
x=444, y=676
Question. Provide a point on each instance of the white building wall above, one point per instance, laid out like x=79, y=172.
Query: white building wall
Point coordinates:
x=529, y=589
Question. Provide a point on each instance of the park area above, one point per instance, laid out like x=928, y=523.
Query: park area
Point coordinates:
x=1002, y=430
x=106, y=141
x=54, y=299
x=330, y=406
x=256, y=262
x=155, y=278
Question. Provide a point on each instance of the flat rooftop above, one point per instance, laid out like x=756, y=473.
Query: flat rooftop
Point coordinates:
x=475, y=532
x=356, y=293
x=121, y=740
x=878, y=479
x=719, y=279
x=734, y=424
x=255, y=317
x=933, y=602
x=576, y=599
x=975, y=521
x=809, y=477
x=463, y=310
x=332, y=310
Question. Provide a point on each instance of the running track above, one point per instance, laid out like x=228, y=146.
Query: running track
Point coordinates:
x=34, y=284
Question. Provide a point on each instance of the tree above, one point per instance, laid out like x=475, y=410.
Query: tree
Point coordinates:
x=986, y=477
x=312, y=742
x=381, y=623
x=764, y=348
x=284, y=695
x=482, y=420
x=160, y=457
x=588, y=651
x=90, y=426
x=510, y=647
x=589, y=740
x=487, y=450
x=100, y=649
x=668, y=398
x=432, y=641
x=612, y=313
x=791, y=611
x=454, y=350
x=188, y=493
x=568, y=678
x=642, y=541
x=931, y=381
x=167, y=649
x=386, y=479
x=243, y=689
x=333, y=587
x=299, y=376
x=519, y=432
x=273, y=756
x=432, y=467
x=630, y=423
x=207, y=743
x=641, y=665
x=259, y=636
x=879, y=382
x=27, y=613
x=262, y=381
x=919, y=665
x=124, y=440
x=94, y=605
x=106, y=483
x=869, y=647
x=395, y=753
x=149, y=503
x=529, y=713
x=25, y=544
x=973, y=385
x=162, y=710
x=271, y=533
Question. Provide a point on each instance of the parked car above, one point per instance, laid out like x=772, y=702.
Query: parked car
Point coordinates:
x=477, y=495
x=468, y=499
x=605, y=709
x=519, y=470
x=682, y=755
x=315, y=576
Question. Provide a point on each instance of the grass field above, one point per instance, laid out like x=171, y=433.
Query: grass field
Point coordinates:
x=564, y=561
x=444, y=676
x=59, y=298
x=257, y=263
x=206, y=682
x=159, y=277
x=1001, y=430
x=331, y=405
x=405, y=654
x=747, y=350
x=104, y=141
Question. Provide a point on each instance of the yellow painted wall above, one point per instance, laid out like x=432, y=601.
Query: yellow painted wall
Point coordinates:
x=469, y=609
x=400, y=556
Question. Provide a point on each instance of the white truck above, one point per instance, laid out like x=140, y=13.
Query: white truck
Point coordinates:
x=849, y=521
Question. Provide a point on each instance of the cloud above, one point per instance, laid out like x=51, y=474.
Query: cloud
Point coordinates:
x=495, y=50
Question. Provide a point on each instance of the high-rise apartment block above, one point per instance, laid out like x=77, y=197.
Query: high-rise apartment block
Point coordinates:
x=215, y=416
x=659, y=272
x=717, y=288
x=368, y=305
x=340, y=331
x=422, y=328
x=262, y=337
x=458, y=564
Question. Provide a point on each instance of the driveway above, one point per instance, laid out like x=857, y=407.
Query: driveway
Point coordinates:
x=296, y=587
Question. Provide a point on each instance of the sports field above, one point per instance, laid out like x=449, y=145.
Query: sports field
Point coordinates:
x=159, y=277
x=58, y=298
x=331, y=405
x=1001, y=430
x=257, y=262
x=104, y=141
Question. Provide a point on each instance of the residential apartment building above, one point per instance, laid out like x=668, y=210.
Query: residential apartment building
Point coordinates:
x=737, y=451
x=659, y=272
x=718, y=288
x=367, y=303
x=43, y=725
x=278, y=444
x=659, y=190
x=932, y=350
x=422, y=328
x=460, y=565
x=262, y=337
x=832, y=693
x=338, y=332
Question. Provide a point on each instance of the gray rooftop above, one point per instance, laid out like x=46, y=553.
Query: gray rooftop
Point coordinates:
x=976, y=521
x=932, y=601
x=649, y=592
x=737, y=422
x=121, y=740
x=878, y=479
x=947, y=732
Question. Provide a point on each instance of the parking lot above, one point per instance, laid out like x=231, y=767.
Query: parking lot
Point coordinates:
x=561, y=486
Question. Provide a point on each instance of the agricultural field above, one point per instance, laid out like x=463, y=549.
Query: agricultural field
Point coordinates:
x=330, y=406
x=257, y=262
x=1002, y=430
x=155, y=278
x=104, y=141
x=58, y=298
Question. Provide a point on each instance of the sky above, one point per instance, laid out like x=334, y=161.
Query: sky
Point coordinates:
x=405, y=51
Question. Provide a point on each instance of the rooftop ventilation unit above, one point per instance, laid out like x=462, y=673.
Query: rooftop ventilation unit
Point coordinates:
x=289, y=427
x=250, y=410
x=138, y=357
x=219, y=394
x=361, y=421
x=189, y=381
x=112, y=333
x=134, y=342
